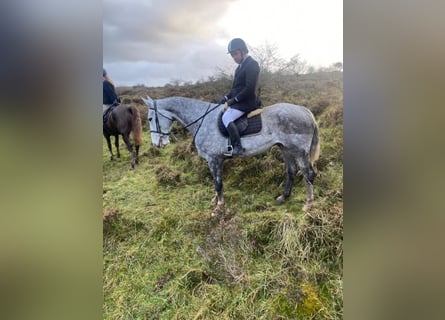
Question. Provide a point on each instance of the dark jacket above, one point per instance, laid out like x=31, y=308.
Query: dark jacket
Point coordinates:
x=109, y=93
x=244, y=85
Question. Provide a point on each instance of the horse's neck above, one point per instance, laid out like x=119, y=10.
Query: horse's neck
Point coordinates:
x=186, y=110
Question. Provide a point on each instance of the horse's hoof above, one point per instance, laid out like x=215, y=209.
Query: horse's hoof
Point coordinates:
x=307, y=206
x=218, y=211
x=280, y=200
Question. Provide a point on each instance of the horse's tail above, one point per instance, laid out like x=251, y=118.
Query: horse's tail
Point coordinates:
x=136, y=126
x=315, y=145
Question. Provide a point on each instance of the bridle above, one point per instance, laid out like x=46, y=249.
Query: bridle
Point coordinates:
x=158, y=126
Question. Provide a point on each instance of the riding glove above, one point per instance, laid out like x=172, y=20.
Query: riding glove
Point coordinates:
x=231, y=101
x=223, y=100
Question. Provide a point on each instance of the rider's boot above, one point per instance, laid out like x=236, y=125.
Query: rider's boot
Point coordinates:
x=237, y=148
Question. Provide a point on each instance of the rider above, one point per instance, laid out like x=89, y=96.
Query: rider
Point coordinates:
x=109, y=92
x=110, y=98
x=242, y=98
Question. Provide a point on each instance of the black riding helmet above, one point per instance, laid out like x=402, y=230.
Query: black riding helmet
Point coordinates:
x=237, y=44
x=104, y=72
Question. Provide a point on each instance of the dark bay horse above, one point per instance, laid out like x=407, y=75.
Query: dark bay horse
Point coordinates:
x=123, y=120
x=291, y=127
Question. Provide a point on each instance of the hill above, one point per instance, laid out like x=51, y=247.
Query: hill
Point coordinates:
x=165, y=257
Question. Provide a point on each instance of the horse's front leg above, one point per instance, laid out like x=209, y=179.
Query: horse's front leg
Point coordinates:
x=215, y=166
x=108, y=138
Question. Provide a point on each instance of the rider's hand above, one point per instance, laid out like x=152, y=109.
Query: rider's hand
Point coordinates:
x=223, y=100
x=231, y=101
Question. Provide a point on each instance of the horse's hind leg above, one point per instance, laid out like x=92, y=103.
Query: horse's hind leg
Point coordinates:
x=137, y=154
x=309, y=177
x=127, y=141
x=291, y=169
x=116, y=143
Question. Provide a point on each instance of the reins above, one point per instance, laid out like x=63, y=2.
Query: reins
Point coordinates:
x=158, y=127
x=202, y=117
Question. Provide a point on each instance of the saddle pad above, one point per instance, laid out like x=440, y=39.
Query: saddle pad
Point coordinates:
x=246, y=125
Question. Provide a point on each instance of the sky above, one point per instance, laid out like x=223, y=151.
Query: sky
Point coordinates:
x=155, y=42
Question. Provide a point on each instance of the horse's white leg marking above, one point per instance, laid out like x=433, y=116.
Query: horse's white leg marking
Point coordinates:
x=307, y=206
x=309, y=195
x=219, y=210
x=215, y=199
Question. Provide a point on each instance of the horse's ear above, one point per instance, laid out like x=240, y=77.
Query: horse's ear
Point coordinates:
x=148, y=101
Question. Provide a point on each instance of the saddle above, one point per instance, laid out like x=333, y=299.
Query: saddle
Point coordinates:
x=247, y=124
x=107, y=111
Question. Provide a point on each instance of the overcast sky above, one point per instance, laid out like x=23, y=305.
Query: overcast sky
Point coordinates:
x=154, y=42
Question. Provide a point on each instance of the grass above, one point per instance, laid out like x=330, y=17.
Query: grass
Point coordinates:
x=166, y=257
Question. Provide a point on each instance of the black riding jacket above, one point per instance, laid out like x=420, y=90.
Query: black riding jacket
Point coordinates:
x=109, y=93
x=244, y=85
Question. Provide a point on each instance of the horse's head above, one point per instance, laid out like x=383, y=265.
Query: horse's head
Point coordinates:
x=159, y=124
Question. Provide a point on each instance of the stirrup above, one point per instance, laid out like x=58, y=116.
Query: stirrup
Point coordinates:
x=239, y=153
x=229, y=151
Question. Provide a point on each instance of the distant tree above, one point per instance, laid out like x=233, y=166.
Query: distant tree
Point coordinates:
x=311, y=69
x=270, y=61
x=225, y=72
x=268, y=58
x=294, y=66
x=324, y=69
x=338, y=66
x=176, y=82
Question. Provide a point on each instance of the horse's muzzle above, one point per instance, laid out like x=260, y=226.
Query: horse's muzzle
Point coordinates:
x=163, y=141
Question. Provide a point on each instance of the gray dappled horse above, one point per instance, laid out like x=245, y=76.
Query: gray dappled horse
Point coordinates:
x=291, y=127
x=123, y=120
